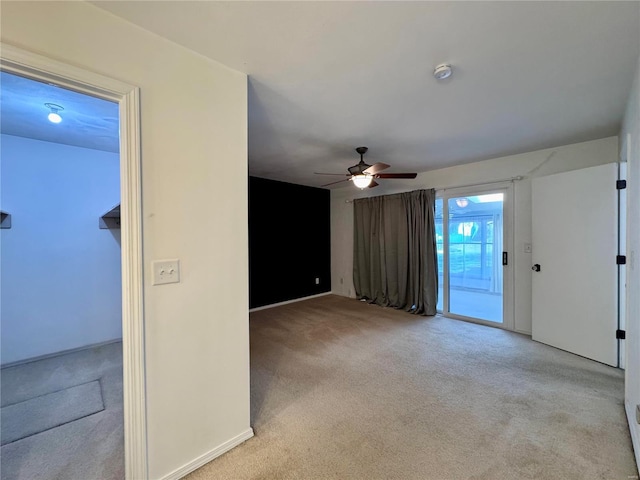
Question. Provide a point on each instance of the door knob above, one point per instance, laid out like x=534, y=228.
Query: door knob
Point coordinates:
x=536, y=267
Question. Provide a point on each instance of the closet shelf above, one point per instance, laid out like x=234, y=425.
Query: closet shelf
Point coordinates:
x=111, y=219
x=5, y=220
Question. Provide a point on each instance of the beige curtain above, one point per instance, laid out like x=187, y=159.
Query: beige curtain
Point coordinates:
x=394, y=251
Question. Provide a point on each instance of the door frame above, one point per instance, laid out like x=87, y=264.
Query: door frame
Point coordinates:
x=37, y=67
x=508, y=320
x=622, y=249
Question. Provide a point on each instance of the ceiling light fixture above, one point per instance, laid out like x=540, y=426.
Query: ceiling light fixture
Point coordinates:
x=442, y=71
x=54, y=116
x=362, y=181
x=462, y=202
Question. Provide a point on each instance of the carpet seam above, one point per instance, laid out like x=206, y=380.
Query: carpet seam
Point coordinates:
x=61, y=425
x=58, y=391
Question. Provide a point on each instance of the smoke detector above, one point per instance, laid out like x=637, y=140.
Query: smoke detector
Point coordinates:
x=442, y=71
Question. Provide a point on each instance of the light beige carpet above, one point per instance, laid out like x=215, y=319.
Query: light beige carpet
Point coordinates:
x=345, y=390
x=51, y=410
x=88, y=445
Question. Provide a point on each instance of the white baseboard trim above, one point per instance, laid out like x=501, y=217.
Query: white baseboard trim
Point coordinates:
x=210, y=455
x=634, y=430
x=58, y=354
x=289, y=301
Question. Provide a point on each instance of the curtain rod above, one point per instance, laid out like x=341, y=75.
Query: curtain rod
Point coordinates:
x=511, y=179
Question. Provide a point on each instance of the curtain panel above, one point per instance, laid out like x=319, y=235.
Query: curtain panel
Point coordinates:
x=394, y=251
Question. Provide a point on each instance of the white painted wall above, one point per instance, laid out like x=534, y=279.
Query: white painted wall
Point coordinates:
x=528, y=165
x=630, y=151
x=194, y=184
x=61, y=277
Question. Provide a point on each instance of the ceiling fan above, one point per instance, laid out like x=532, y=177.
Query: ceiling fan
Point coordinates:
x=364, y=176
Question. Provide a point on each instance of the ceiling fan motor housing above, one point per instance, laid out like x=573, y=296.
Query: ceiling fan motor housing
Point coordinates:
x=358, y=169
x=361, y=166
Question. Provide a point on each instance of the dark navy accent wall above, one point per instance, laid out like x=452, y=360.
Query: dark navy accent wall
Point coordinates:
x=289, y=241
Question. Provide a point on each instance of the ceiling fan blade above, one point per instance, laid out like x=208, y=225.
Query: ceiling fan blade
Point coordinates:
x=340, y=174
x=373, y=184
x=375, y=168
x=333, y=183
x=396, y=175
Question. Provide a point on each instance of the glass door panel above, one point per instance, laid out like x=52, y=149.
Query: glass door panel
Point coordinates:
x=475, y=231
x=440, y=254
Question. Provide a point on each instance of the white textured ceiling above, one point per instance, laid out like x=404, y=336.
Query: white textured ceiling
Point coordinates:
x=326, y=77
x=87, y=121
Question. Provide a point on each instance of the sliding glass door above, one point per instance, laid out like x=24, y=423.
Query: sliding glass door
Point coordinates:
x=472, y=230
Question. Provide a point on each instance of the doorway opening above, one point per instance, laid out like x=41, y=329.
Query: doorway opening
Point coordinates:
x=36, y=67
x=61, y=360
x=472, y=239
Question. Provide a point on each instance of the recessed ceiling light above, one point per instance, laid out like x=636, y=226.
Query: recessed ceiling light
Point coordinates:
x=442, y=71
x=54, y=116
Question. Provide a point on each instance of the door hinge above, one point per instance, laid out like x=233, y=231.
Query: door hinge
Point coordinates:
x=621, y=334
x=621, y=184
x=621, y=259
x=505, y=258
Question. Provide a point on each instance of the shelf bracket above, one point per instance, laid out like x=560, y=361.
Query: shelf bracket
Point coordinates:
x=111, y=219
x=5, y=220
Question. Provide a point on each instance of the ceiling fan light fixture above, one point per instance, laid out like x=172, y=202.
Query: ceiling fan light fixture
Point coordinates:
x=442, y=71
x=364, y=176
x=362, y=181
x=54, y=116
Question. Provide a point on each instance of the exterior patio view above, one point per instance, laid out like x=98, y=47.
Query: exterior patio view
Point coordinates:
x=475, y=231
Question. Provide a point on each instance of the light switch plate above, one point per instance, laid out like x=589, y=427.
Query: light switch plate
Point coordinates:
x=166, y=271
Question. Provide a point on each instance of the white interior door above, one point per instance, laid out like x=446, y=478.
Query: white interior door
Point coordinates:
x=575, y=219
